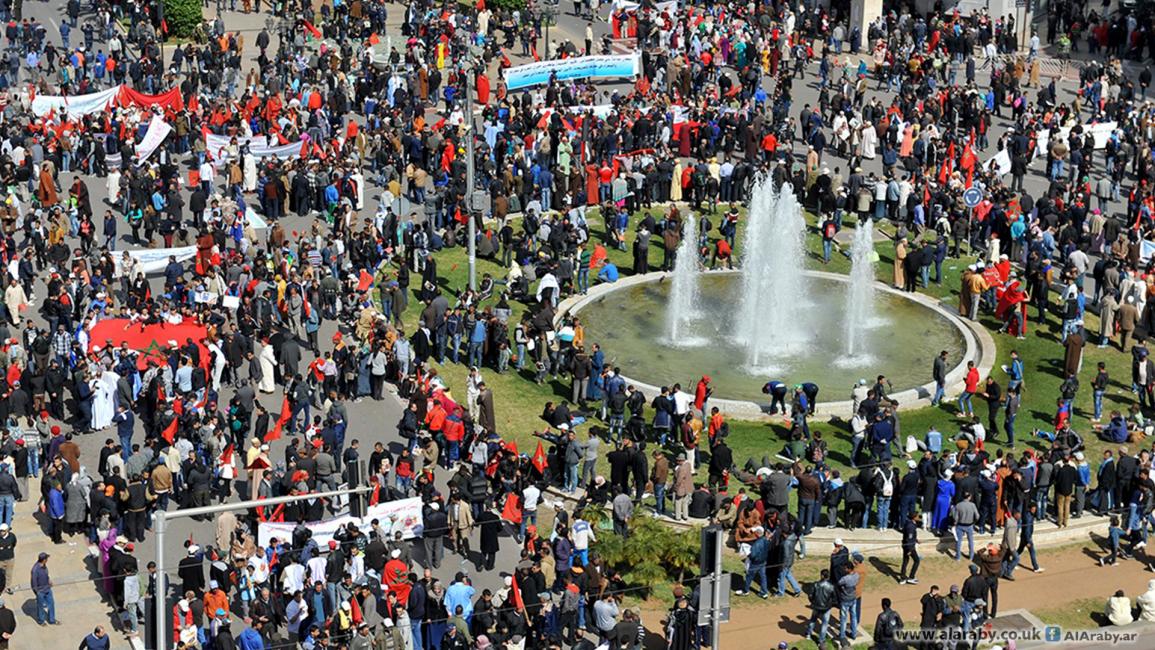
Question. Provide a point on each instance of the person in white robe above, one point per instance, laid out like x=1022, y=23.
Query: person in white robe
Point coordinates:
x=218, y=357
x=869, y=141
x=268, y=368
x=103, y=399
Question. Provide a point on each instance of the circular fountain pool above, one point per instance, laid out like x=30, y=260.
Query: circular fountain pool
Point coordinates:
x=628, y=320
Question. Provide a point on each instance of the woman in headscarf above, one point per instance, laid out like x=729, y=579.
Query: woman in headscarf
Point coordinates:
x=76, y=501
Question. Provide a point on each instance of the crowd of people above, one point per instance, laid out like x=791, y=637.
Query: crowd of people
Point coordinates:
x=283, y=328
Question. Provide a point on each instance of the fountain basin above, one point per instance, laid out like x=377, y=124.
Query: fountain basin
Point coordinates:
x=627, y=319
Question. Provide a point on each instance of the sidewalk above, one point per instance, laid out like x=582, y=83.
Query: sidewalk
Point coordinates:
x=73, y=566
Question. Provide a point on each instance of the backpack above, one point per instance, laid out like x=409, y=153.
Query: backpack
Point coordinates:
x=887, y=483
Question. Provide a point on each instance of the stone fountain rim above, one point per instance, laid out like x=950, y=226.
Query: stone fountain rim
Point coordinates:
x=980, y=346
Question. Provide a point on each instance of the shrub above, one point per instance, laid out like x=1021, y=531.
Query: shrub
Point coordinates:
x=183, y=17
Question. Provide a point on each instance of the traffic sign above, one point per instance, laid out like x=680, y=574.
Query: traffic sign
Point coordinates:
x=972, y=197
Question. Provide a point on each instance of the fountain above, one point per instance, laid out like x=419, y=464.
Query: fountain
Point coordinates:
x=769, y=320
x=683, y=307
x=773, y=284
x=860, y=292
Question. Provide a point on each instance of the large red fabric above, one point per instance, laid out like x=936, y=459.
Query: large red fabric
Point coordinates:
x=150, y=340
x=170, y=100
x=1013, y=298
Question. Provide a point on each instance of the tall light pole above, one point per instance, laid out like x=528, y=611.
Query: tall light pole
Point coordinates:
x=471, y=230
x=547, y=14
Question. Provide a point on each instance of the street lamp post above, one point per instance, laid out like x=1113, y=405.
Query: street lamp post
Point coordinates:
x=548, y=12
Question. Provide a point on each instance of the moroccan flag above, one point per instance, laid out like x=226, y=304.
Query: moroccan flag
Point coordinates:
x=969, y=160
x=515, y=590
x=169, y=432
x=149, y=340
x=947, y=167
x=355, y=611
x=511, y=447
x=282, y=420
x=491, y=468
x=511, y=511
x=364, y=281
x=227, y=454
x=538, y=459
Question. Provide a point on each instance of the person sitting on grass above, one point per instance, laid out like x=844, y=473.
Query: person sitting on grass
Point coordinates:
x=1118, y=609
x=1115, y=430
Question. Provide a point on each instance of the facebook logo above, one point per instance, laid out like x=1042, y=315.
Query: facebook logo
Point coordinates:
x=1053, y=633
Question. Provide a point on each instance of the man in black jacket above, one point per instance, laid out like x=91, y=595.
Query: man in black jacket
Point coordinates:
x=1065, y=478
x=974, y=595
x=1105, y=487
x=1126, y=469
x=822, y=599
x=910, y=548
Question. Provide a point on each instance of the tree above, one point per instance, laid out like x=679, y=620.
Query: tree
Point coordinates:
x=182, y=17
x=653, y=554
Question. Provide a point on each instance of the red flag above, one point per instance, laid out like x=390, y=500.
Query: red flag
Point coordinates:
x=304, y=147
x=169, y=432
x=355, y=611
x=178, y=406
x=945, y=171
x=227, y=454
x=491, y=468
x=311, y=29
x=163, y=26
x=511, y=447
x=364, y=281
x=374, y=38
x=538, y=459
x=511, y=511
x=282, y=420
x=515, y=590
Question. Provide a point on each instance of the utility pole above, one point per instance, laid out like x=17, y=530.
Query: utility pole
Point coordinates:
x=471, y=231
x=159, y=524
x=715, y=589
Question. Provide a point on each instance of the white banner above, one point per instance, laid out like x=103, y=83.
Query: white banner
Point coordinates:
x=1146, y=250
x=403, y=515
x=259, y=146
x=154, y=260
x=601, y=66
x=599, y=111
x=158, y=130
x=1100, y=131
x=255, y=220
x=1001, y=162
x=74, y=106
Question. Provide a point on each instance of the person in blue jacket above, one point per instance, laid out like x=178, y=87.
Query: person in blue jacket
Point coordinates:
x=777, y=392
x=56, y=511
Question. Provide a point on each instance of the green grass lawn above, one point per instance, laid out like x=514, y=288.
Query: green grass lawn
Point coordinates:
x=1082, y=614
x=519, y=400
